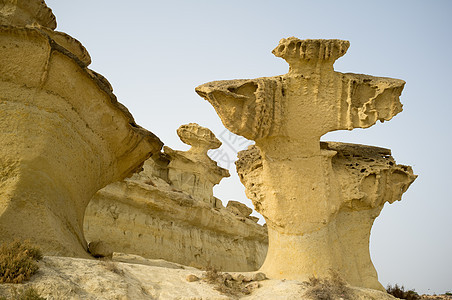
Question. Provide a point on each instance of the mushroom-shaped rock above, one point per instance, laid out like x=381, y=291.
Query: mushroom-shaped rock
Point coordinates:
x=63, y=135
x=294, y=183
x=193, y=171
x=239, y=209
x=309, y=101
x=200, y=138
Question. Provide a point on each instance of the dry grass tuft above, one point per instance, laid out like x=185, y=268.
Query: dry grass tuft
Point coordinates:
x=18, y=261
x=331, y=288
x=399, y=292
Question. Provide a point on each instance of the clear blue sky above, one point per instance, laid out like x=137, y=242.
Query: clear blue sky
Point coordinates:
x=156, y=52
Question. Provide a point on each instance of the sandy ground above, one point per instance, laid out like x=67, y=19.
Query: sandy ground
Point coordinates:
x=138, y=278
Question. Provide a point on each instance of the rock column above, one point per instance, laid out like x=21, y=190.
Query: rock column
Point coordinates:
x=193, y=171
x=296, y=187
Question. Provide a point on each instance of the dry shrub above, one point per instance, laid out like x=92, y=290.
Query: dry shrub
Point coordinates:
x=331, y=288
x=224, y=283
x=18, y=261
x=399, y=292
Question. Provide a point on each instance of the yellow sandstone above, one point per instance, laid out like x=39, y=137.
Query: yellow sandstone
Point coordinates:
x=167, y=211
x=319, y=200
x=63, y=135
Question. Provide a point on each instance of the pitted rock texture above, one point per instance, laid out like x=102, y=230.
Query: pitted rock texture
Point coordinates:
x=148, y=216
x=63, y=135
x=270, y=106
x=304, y=192
x=198, y=137
x=193, y=171
x=366, y=178
x=26, y=12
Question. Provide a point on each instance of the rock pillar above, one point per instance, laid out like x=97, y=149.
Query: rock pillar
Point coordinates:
x=318, y=214
x=193, y=171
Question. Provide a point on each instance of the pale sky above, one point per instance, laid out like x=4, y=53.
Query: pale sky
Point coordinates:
x=155, y=53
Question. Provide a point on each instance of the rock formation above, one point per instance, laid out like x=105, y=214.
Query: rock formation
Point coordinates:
x=63, y=135
x=319, y=200
x=193, y=171
x=168, y=211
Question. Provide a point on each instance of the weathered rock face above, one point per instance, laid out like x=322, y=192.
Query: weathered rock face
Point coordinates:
x=308, y=199
x=167, y=211
x=26, y=12
x=363, y=178
x=63, y=135
x=193, y=171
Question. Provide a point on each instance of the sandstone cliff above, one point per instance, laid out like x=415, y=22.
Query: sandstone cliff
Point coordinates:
x=63, y=134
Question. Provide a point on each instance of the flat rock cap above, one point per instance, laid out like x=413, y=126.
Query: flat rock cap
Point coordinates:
x=194, y=135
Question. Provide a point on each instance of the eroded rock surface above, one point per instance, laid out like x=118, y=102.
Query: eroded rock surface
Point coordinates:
x=168, y=211
x=26, y=12
x=63, y=135
x=193, y=171
x=364, y=179
x=306, y=196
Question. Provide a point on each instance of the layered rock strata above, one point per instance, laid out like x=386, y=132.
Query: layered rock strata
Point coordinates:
x=167, y=211
x=63, y=135
x=297, y=188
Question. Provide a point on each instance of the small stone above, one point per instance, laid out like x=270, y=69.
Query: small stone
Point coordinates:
x=192, y=278
x=238, y=277
x=100, y=249
x=250, y=287
x=227, y=276
x=259, y=276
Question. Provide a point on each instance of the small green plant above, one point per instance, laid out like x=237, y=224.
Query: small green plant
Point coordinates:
x=399, y=292
x=448, y=293
x=18, y=261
